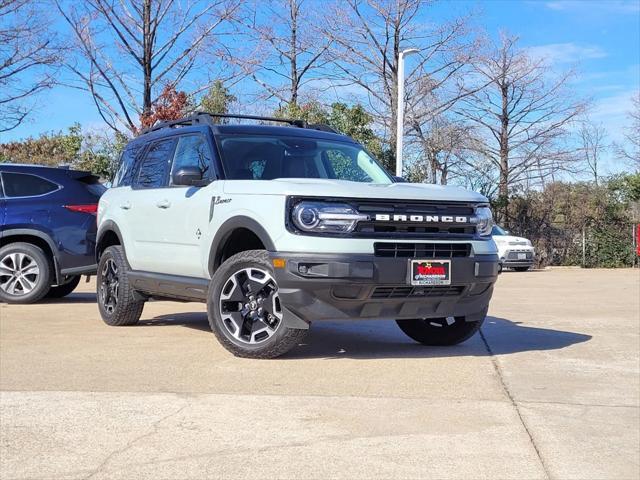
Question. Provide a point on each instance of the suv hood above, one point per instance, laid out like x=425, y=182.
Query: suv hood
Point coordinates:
x=344, y=188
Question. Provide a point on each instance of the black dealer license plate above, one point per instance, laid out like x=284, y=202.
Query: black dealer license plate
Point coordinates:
x=430, y=272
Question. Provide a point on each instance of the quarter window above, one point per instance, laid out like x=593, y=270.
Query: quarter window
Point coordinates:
x=153, y=171
x=192, y=151
x=25, y=185
x=124, y=175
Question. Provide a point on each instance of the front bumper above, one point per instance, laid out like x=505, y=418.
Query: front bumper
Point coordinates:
x=355, y=286
x=523, y=257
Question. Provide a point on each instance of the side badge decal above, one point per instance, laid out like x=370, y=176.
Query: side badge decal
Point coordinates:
x=216, y=201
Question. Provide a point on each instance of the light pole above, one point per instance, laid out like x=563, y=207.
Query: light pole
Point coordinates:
x=400, y=114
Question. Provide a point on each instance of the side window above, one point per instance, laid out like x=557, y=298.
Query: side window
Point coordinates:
x=153, y=170
x=124, y=175
x=25, y=185
x=192, y=151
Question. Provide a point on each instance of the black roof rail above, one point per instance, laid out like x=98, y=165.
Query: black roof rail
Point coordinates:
x=198, y=118
x=322, y=127
x=290, y=121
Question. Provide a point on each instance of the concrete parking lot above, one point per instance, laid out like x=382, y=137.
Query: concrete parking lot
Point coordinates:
x=551, y=389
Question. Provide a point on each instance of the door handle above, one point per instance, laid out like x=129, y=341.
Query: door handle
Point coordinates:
x=163, y=204
x=125, y=206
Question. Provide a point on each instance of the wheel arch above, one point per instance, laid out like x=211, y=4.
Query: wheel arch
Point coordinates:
x=108, y=235
x=37, y=238
x=225, y=242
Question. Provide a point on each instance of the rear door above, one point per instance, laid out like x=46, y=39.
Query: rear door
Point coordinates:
x=147, y=221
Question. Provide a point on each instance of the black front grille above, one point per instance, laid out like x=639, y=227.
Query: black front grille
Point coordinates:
x=414, y=228
x=419, y=292
x=515, y=255
x=421, y=250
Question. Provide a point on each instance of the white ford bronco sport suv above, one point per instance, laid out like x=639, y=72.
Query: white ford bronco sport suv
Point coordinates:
x=275, y=227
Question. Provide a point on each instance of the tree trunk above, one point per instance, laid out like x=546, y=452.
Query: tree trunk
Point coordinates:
x=293, y=57
x=503, y=185
x=147, y=45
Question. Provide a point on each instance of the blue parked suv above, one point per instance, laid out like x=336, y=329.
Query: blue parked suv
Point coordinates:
x=47, y=230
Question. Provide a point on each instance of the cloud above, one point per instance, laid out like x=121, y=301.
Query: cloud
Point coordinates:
x=558, y=53
x=610, y=6
x=612, y=111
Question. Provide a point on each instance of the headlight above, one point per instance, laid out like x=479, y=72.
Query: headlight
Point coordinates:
x=318, y=217
x=483, y=219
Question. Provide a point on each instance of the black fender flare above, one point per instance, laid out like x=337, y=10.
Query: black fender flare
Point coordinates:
x=105, y=227
x=11, y=232
x=225, y=231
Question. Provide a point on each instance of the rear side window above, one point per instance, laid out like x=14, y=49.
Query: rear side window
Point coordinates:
x=153, y=170
x=26, y=185
x=192, y=151
x=124, y=175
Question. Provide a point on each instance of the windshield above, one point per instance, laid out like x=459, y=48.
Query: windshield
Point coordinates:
x=497, y=230
x=262, y=157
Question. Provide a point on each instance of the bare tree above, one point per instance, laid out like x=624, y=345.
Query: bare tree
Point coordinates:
x=129, y=51
x=285, y=52
x=592, y=146
x=367, y=38
x=632, y=135
x=442, y=143
x=522, y=117
x=27, y=59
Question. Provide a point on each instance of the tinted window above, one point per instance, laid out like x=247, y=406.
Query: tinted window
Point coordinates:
x=153, y=170
x=25, y=185
x=192, y=151
x=124, y=175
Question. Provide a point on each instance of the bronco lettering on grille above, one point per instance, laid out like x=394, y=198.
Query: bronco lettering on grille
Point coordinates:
x=385, y=217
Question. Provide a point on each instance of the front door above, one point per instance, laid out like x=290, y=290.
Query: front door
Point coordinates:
x=188, y=209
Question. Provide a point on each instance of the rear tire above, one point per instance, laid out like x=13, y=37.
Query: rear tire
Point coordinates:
x=25, y=272
x=65, y=289
x=117, y=300
x=439, y=331
x=521, y=269
x=244, y=308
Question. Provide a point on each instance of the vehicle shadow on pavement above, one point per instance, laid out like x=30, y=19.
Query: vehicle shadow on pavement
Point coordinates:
x=195, y=320
x=367, y=339
x=384, y=339
x=79, y=297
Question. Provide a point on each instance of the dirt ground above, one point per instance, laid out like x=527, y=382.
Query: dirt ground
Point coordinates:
x=550, y=389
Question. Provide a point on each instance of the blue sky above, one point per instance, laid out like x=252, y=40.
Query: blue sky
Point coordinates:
x=599, y=37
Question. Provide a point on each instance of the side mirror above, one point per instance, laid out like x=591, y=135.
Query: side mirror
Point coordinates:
x=189, y=176
x=400, y=179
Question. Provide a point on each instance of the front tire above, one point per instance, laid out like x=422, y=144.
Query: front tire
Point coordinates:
x=25, y=273
x=117, y=300
x=244, y=308
x=439, y=331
